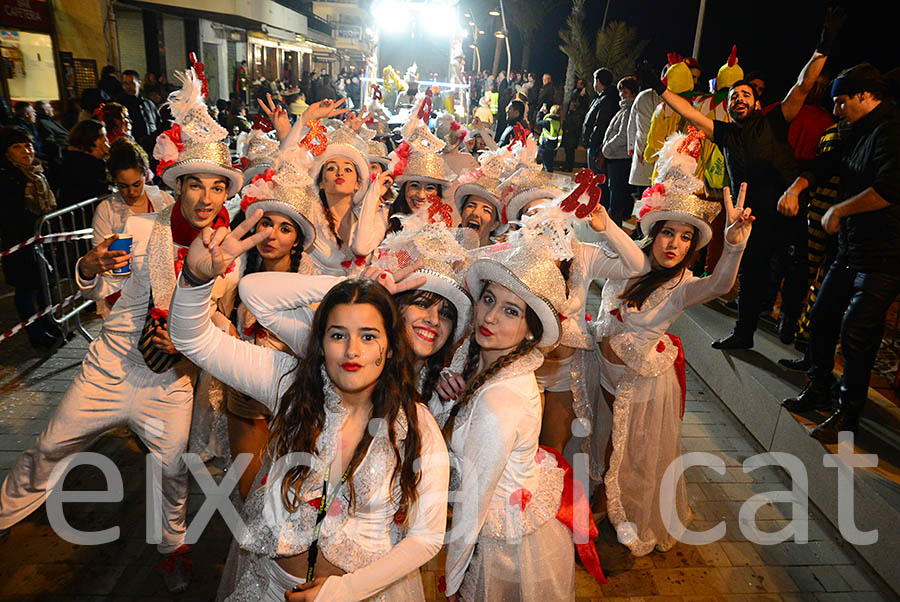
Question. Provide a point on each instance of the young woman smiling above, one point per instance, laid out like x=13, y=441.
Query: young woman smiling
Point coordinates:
x=639, y=361
x=508, y=492
x=320, y=527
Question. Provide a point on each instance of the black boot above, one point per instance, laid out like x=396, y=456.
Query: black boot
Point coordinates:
x=734, y=341
x=816, y=395
x=787, y=326
x=798, y=365
x=846, y=418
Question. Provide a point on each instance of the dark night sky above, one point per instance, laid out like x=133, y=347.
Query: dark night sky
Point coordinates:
x=774, y=36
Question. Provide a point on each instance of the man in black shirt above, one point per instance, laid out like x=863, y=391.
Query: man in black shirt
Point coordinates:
x=515, y=113
x=757, y=152
x=600, y=113
x=145, y=121
x=866, y=271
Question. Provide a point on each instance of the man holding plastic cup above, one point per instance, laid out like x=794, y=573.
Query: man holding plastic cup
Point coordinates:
x=132, y=375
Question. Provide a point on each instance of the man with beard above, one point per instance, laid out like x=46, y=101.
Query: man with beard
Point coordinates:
x=757, y=152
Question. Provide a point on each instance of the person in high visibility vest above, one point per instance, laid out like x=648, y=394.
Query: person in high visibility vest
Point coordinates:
x=551, y=135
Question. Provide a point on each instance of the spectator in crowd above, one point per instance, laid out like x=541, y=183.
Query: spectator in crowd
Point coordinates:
x=145, y=120
x=548, y=94
x=638, y=129
x=756, y=151
x=551, y=134
x=110, y=86
x=324, y=89
x=758, y=82
x=91, y=99
x=222, y=116
x=572, y=128
x=26, y=118
x=5, y=114
x=116, y=120
x=165, y=88
x=506, y=94
x=866, y=271
x=615, y=151
x=598, y=117
x=298, y=105
x=696, y=72
x=151, y=86
x=236, y=120
x=27, y=196
x=53, y=136
x=515, y=114
x=83, y=171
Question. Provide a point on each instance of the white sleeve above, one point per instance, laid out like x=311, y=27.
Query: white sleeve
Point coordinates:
x=371, y=224
x=631, y=260
x=631, y=129
x=697, y=291
x=101, y=223
x=263, y=374
x=486, y=450
x=427, y=523
x=100, y=286
x=280, y=303
x=644, y=115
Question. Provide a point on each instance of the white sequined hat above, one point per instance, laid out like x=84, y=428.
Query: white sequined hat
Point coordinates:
x=344, y=142
x=195, y=144
x=673, y=195
x=257, y=149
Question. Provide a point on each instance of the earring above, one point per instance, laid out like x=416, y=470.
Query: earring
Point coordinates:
x=529, y=337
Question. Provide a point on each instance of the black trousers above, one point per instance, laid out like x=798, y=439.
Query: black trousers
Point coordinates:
x=866, y=296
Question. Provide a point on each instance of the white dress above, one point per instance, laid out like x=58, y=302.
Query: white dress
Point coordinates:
x=646, y=430
x=505, y=543
x=358, y=541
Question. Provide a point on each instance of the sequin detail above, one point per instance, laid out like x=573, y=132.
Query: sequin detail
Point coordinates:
x=511, y=522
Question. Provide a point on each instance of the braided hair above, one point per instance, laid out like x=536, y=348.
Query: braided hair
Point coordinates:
x=328, y=215
x=522, y=349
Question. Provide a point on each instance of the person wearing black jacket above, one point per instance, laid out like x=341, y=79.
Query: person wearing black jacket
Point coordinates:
x=866, y=270
x=598, y=117
x=145, y=121
x=515, y=113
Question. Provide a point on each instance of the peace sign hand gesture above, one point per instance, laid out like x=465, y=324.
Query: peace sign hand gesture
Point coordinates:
x=357, y=121
x=277, y=115
x=214, y=250
x=738, y=221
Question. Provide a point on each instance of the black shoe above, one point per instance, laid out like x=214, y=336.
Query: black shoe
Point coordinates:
x=731, y=304
x=816, y=395
x=846, y=418
x=786, y=328
x=733, y=341
x=798, y=365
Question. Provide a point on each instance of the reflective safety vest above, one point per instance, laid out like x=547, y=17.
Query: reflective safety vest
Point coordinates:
x=553, y=134
x=495, y=102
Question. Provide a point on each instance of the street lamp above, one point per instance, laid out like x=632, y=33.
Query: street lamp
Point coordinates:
x=494, y=13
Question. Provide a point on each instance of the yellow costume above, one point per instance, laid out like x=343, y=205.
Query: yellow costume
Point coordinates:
x=665, y=121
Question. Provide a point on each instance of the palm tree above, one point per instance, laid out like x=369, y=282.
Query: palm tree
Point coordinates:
x=574, y=45
x=527, y=16
x=615, y=47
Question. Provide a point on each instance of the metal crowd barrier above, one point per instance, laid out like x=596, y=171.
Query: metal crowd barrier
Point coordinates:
x=56, y=260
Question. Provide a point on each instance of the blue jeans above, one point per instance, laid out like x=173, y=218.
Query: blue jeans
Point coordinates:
x=866, y=296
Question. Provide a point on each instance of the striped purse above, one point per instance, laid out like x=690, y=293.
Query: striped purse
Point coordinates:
x=157, y=360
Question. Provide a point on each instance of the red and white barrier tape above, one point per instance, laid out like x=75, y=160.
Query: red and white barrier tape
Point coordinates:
x=62, y=236
x=18, y=327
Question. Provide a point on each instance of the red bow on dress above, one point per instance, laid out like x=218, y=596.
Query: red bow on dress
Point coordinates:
x=359, y=260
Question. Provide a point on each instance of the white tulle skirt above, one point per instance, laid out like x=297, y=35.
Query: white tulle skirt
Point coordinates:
x=538, y=568
x=646, y=436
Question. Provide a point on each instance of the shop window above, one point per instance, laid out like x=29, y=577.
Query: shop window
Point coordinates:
x=28, y=65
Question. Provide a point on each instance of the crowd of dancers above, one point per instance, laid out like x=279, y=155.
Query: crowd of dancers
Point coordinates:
x=377, y=338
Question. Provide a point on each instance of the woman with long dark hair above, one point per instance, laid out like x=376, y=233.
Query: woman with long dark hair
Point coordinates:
x=363, y=451
x=641, y=366
x=509, y=492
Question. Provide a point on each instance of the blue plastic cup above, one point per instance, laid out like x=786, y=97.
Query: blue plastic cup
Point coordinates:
x=123, y=243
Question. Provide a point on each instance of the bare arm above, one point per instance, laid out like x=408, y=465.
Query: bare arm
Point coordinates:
x=684, y=108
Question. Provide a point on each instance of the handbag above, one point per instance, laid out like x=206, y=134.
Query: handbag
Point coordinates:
x=157, y=360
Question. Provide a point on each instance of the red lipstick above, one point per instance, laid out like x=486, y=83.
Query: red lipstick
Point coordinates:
x=339, y=180
x=485, y=332
x=351, y=366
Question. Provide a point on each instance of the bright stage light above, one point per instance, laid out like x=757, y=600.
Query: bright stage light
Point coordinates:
x=391, y=17
x=439, y=20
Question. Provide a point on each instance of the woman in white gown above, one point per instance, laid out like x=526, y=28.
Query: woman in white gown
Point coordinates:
x=639, y=361
x=349, y=407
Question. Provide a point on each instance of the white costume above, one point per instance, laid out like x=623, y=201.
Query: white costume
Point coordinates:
x=356, y=541
x=638, y=128
x=116, y=388
x=647, y=410
x=110, y=216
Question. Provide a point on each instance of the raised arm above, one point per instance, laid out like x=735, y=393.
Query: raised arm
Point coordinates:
x=372, y=223
x=796, y=96
x=630, y=260
x=686, y=109
x=280, y=302
x=427, y=523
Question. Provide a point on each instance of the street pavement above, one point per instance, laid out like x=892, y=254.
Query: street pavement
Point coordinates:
x=35, y=564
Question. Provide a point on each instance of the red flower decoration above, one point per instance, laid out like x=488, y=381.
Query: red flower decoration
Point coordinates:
x=587, y=317
x=198, y=69
x=442, y=584
x=245, y=162
x=644, y=211
x=158, y=313
x=162, y=165
x=656, y=188
x=660, y=347
x=520, y=497
x=247, y=201
x=174, y=134
x=589, y=184
x=264, y=479
x=615, y=312
x=180, y=256
x=691, y=144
